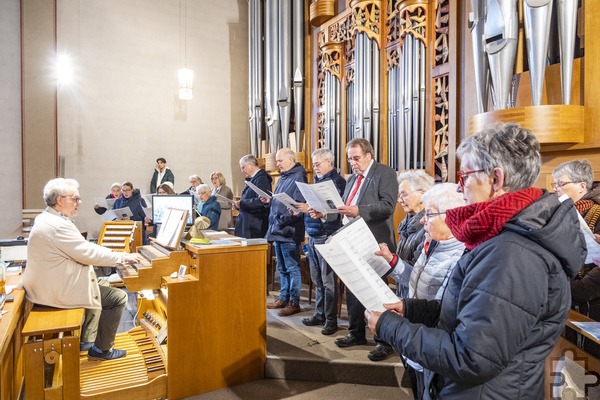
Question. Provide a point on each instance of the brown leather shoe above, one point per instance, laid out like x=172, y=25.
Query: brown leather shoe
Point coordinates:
x=291, y=309
x=277, y=304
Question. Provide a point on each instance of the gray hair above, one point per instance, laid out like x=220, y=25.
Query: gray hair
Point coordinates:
x=287, y=153
x=364, y=145
x=203, y=188
x=195, y=178
x=577, y=171
x=418, y=179
x=58, y=187
x=443, y=196
x=115, y=185
x=325, y=154
x=249, y=159
x=509, y=147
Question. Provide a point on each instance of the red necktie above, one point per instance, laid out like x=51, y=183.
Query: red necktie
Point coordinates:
x=353, y=193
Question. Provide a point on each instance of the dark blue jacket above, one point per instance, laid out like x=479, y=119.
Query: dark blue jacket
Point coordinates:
x=316, y=227
x=283, y=225
x=253, y=219
x=136, y=204
x=211, y=210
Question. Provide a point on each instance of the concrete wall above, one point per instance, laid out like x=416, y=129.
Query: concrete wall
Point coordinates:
x=10, y=118
x=122, y=110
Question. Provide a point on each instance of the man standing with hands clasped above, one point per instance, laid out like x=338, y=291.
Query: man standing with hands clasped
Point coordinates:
x=371, y=194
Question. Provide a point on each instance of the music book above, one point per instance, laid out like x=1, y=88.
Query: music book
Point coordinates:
x=322, y=197
x=351, y=253
x=172, y=228
x=286, y=200
x=258, y=191
x=593, y=328
x=119, y=214
x=104, y=202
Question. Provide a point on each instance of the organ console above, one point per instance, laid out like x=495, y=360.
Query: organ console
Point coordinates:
x=196, y=333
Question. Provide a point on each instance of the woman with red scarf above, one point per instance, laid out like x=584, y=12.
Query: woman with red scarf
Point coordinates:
x=575, y=179
x=507, y=299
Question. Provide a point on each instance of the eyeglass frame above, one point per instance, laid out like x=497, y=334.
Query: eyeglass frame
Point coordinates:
x=428, y=216
x=556, y=185
x=76, y=199
x=463, y=176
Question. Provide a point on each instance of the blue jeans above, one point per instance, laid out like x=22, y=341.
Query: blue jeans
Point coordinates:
x=324, y=279
x=288, y=265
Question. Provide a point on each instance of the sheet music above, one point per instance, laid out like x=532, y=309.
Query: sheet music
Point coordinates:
x=225, y=199
x=359, y=240
x=172, y=227
x=286, y=200
x=117, y=215
x=358, y=276
x=350, y=252
x=322, y=197
x=101, y=201
x=258, y=191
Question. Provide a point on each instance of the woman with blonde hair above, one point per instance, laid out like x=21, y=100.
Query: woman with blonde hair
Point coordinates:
x=222, y=192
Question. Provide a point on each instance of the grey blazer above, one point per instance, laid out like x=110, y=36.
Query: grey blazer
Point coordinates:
x=377, y=201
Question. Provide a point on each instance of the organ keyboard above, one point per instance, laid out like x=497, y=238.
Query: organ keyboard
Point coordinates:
x=158, y=262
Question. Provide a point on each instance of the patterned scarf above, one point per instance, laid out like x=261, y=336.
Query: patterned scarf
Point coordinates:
x=583, y=205
x=475, y=223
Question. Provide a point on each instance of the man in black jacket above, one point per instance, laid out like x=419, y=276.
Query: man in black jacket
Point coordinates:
x=253, y=218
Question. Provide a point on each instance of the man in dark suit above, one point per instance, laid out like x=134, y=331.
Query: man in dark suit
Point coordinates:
x=253, y=219
x=370, y=193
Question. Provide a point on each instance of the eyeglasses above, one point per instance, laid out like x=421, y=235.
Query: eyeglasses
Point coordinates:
x=76, y=199
x=356, y=158
x=126, y=190
x=404, y=194
x=462, y=176
x=316, y=165
x=556, y=185
x=429, y=216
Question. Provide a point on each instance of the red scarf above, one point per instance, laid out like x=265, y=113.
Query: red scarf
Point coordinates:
x=476, y=223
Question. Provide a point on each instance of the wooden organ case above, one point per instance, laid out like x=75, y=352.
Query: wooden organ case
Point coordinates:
x=214, y=320
x=144, y=372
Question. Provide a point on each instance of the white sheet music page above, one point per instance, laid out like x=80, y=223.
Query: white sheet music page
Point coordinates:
x=286, y=200
x=258, y=191
x=350, y=252
x=358, y=276
x=322, y=197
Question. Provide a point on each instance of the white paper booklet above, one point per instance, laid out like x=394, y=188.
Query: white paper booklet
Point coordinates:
x=117, y=215
x=148, y=212
x=286, y=200
x=101, y=201
x=258, y=191
x=351, y=254
x=322, y=197
x=225, y=199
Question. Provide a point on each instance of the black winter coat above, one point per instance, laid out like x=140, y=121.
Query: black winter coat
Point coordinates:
x=253, y=219
x=504, y=307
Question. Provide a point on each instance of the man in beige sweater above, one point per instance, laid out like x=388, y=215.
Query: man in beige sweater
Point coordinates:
x=60, y=270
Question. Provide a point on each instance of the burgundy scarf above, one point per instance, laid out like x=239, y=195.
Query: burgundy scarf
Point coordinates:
x=475, y=223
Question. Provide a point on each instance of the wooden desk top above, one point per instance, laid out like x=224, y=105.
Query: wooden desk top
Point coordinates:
x=574, y=316
x=9, y=320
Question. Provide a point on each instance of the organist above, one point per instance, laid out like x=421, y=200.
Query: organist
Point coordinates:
x=60, y=270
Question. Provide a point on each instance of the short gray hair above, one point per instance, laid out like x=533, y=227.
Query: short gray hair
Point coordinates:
x=443, y=196
x=417, y=179
x=288, y=153
x=509, y=147
x=58, y=187
x=195, y=178
x=249, y=159
x=325, y=154
x=364, y=144
x=577, y=171
x=203, y=188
